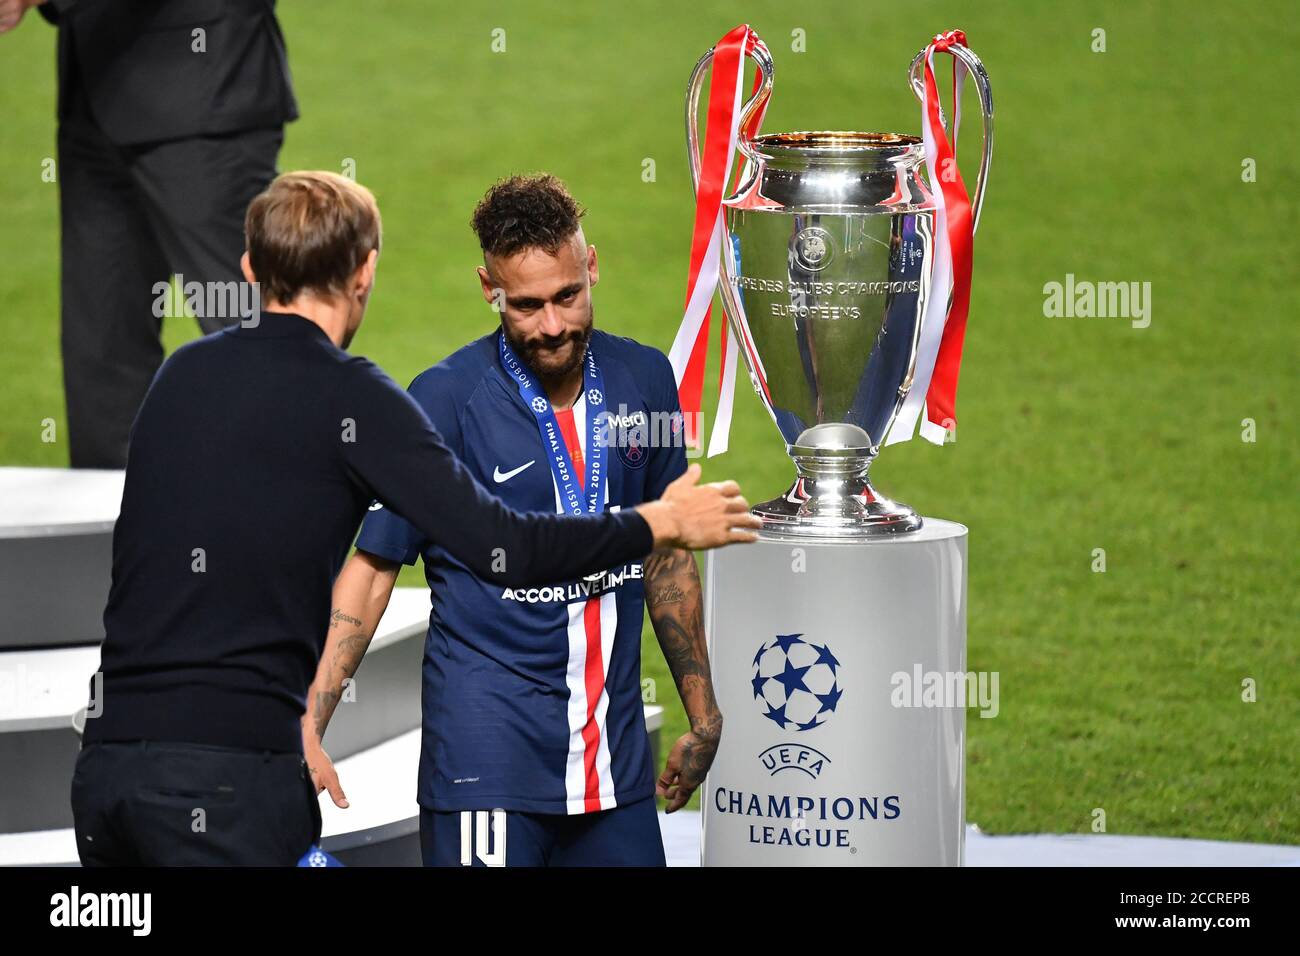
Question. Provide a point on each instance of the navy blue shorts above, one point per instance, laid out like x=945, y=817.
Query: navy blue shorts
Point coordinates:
x=623, y=836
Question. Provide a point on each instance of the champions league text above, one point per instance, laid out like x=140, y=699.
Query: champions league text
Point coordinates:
x=795, y=816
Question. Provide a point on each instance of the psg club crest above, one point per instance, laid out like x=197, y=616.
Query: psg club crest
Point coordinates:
x=796, y=683
x=632, y=452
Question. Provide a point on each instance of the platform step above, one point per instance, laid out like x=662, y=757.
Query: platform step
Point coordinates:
x=56, y=554
x=44, y=691
x=380, y=827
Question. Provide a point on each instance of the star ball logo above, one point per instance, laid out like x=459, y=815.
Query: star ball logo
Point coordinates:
x=796, y=682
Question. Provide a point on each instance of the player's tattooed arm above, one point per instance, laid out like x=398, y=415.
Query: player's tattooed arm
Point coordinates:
x=675, y=602
x=361, y=595
x=340, y=661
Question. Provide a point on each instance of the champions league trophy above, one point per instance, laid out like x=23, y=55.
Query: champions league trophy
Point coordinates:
x=845, y=277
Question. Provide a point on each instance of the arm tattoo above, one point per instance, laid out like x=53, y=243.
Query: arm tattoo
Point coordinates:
x=350, y=652
x=337, y=616
x=343, y=664
x=675, y=603
x=668, y=593
x=326, y=701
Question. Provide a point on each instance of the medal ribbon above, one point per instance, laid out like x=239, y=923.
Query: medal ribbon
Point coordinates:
x=562, y=469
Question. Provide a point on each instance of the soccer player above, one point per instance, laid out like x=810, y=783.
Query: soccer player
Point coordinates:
x=535, y=749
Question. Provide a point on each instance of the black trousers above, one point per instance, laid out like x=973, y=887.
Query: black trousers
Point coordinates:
x=147, y=803
x=131, y=217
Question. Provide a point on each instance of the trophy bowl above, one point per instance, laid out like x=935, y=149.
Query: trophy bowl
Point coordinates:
x=826, y=276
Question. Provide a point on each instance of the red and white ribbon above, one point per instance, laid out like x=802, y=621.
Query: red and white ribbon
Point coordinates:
x=709, y=242
x=943, y=329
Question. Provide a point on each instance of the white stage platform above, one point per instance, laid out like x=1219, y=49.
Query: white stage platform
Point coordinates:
x=44, y=502
x=56, y=534
x=681, y=833
x=381, y=823
x=375, y=742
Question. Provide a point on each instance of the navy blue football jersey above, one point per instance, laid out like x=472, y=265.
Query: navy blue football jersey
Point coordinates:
x=532, y=697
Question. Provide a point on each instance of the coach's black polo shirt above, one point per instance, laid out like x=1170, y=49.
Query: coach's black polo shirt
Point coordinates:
x=252, y=461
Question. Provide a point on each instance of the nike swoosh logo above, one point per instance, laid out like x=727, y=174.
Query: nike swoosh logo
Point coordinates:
x=499, y=476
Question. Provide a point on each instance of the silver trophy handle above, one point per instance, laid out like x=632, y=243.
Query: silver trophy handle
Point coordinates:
x=764, y=61
x=981, y=77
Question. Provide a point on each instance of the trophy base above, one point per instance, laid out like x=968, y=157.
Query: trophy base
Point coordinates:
x=832, y=497
x=858, y=511
x=891, y=607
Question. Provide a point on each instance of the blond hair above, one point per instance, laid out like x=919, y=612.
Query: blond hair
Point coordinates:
x=310, y=231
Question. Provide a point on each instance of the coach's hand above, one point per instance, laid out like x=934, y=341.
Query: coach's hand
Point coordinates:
x=687, y=765
x=695, y=516
x=323, y=773
x=11, y=12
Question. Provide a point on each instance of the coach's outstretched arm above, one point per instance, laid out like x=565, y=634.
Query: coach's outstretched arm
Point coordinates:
x=391, y=448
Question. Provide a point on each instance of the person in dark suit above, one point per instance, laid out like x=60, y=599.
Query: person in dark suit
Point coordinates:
x=171, y=115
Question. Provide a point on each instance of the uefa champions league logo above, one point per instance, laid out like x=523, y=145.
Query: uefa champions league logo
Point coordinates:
x=594, y=397
x=316, y=857
x=539, y=404
x=796, y=682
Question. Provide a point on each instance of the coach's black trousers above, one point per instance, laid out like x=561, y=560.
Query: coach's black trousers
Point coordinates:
x=147, y=803
x=131, y=217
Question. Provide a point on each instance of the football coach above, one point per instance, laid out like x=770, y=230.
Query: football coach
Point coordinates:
x=254, y=456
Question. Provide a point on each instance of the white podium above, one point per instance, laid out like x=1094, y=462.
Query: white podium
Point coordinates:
x=840, y=671
x=56, y=554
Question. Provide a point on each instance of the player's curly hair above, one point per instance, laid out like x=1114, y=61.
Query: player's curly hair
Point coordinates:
x=526, y=212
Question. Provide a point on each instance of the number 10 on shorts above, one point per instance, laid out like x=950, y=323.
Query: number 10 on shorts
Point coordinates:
x=476, y=840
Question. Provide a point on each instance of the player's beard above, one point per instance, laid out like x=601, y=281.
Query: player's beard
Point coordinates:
x=538, y=353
